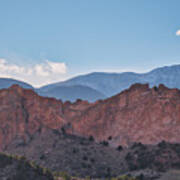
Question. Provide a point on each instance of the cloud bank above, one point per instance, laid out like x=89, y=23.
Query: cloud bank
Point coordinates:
x=178, y=32
x=37, y=75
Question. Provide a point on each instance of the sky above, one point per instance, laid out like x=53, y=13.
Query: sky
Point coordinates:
x=46, y=41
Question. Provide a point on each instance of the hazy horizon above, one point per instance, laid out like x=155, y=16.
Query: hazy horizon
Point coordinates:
x=82, y=74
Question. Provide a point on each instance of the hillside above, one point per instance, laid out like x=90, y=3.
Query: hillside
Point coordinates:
x=75, y=155
x=17, y=168
x=81, y=157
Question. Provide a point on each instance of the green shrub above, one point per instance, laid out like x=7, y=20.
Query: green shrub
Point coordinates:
x=91, y=138
x=105, y=143
x=119, y=148
x=65, y=176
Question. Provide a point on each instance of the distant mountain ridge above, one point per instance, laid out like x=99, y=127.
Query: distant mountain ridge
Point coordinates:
x=113, y=83
x=99, y=85
x=7, y=82
x=72, y=93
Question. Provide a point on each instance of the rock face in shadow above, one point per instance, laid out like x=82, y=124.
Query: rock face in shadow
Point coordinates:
x=139, y=114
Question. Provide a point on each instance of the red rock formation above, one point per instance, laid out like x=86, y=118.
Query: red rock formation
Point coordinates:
x=138, y=114
x=23, y=112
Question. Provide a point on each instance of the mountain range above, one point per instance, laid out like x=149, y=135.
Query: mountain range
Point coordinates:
x=100, y=85
x=72, y=93
x=7, y=82
x=112, y=83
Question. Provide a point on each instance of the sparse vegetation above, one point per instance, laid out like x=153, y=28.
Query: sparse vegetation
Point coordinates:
x=85, y=158
x=119, y=148
x=42, y=157
x=22, y=169
x=63, y=130
x=105, y=143
x=81, y=157
x=91, y=138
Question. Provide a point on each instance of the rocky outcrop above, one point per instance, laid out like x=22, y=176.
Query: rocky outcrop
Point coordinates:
x=139, y=114
x=23, y=113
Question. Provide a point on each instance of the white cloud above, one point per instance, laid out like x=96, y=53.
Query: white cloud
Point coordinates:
x=178, y=32
x=37, y=75
x=57, y=67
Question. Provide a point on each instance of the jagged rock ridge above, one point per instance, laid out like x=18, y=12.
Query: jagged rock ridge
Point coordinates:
x=139, y=114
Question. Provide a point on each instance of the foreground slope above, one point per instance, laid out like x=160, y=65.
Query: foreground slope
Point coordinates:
x=75, y=155
x=83, y=157
x=16, y=168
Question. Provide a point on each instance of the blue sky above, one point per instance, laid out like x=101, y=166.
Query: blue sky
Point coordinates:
x=56, y=39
